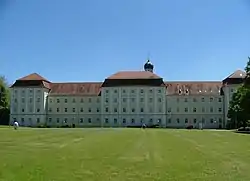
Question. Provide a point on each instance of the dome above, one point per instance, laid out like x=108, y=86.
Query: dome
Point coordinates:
x=148, y=66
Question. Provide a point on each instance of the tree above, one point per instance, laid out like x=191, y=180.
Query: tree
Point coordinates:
x=4, y=101
x=239, y=108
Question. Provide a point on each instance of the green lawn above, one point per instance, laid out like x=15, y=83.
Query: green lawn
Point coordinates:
x=123, y=154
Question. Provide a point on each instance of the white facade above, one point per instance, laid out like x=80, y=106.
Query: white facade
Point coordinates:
x=120, y=106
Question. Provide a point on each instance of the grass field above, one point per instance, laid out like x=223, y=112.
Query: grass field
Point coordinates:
x=123, y=154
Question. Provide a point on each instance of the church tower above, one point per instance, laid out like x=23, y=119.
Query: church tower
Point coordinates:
x=148, y=66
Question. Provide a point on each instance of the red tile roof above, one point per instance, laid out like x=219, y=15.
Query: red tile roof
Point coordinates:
x=33, y=76
x=134, y=75
x=83, y=88
x=194, y=88
x=237, y=74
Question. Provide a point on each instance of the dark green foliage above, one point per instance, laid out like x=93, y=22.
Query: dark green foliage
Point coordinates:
x=239, y=109
x=4, y=102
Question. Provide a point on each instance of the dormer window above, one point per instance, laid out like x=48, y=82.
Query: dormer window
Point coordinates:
x=187, y=92
x=180, y=91
x=199, y=91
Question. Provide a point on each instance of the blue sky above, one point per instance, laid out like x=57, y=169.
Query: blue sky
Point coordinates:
x=88, y=40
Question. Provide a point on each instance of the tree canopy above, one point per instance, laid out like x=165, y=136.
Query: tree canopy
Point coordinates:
x=239, y=108
x=4, y=93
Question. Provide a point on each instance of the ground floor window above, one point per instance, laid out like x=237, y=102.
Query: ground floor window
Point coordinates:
x=115, y=120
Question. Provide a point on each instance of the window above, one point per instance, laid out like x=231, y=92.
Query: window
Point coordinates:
x=57, y=109
x=124, y=110
x=159, y=121
x=50, y=100
x=115, y=120
x=195, y=120
x=169, y=109
x=141, y=99
x=22, y=120
x=65, y=110
x=38, y=99
x=133, y=110
x=211, y=120
x=57, y=120
x=211, y=109
x=106, y=120
x=186, y=109
x=115, y=109
x=97, y=110
x=194, y=99
x=124, y=99
x=159, y=99
x=185, y=100
x=194, y=109
x=97, y=119
x=89, y=109
x=151, y=91
x=151, y=120
x=159, y=91
x=107, y=91
x=132, y=121
x=202, y=99
x=219, y=109
x=107, y=109
x=115, y=91
x=38, y=110
x=65, y=100
x=106, y=100
x=169, y=120
x=141, y=120
x=178, y=120
x=58, y=100
x=22, y=110
x=81, y=120
x=124, y=120
x=220, y=120
x=50, y=109
x=232, y=90
x=219, y=100
x=81, y=109
x=211, y=99
x=38, y=120
x=74, y=100
x=65, y=120
x=74, y=109
x=142, y=91
x=50, y=120
x=124, y=91
x=150, y=99
x=89, y=120
x=82, y=100
x=186, y=120
x=31, y=100
x=142, y=110
x=203, y=120
x=132, y=91
x=203, y=109
x=15, y=100
x=90, y=100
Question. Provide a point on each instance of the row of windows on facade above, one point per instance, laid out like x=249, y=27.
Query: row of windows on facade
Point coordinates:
x=195, y=109
x=212, y=120
x=124, y=120
x=115, y=120
x=116, y=100
x=30, y=91
x=133, y=91
x=123, y=110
